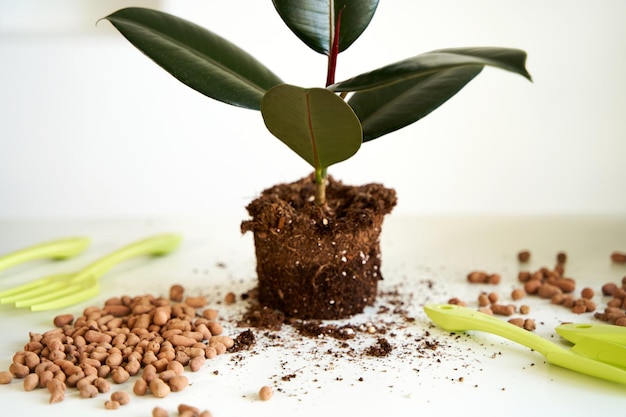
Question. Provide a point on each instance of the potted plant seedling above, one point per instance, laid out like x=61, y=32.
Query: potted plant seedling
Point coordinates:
x=316, y=239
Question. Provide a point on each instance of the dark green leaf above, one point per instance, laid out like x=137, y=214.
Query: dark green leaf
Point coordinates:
x=313, y=21
x=386, y=109
x=399, y=94
x=315, y=123
x=513, y=60
x=197, y=57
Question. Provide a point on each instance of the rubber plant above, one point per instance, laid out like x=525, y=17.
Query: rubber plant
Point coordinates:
x=323, y=125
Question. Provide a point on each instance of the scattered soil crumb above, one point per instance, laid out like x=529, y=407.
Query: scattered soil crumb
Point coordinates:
x=261, y=317
x=317, y=329
x=380, y=349
x=244, y=341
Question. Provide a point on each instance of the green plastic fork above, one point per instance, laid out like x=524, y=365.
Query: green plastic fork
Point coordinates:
x=55, y=249
x=457, y=318
x=63, y=290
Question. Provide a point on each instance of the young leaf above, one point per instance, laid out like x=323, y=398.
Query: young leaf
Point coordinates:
x=197, y=57
x=313, y=21
x=386, y=109
x=513, y=60
x=315, y=123
x=399, y=94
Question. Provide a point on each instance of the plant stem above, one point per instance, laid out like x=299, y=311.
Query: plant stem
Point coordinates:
x=334, y=52
x=320, y=186
x=320, y=173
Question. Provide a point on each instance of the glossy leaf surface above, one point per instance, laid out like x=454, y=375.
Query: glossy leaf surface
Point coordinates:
x=197, y=57
x=315, y=123
x=313, y=21
x=386, y=109
x=504, y=58
x=399, y=94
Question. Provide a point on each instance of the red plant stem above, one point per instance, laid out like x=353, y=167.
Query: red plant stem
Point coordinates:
x=334, y=52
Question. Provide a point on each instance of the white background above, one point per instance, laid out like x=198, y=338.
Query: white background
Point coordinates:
x=89, y=127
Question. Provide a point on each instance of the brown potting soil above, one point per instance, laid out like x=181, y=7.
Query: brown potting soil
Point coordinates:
x=315, y=263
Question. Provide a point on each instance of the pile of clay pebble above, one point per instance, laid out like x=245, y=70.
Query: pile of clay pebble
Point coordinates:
x=153, y=337
x=551, y=284
x=184, y=410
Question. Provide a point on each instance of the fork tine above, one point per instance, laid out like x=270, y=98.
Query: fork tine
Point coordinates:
x=7, y=295
x=50, y=287
x=88, y=292
x=60, y=291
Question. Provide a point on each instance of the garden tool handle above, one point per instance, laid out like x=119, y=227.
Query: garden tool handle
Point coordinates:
x=55, y=249
x=458, y=318
x=157, y=245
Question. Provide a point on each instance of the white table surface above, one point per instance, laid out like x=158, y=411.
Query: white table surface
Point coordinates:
x=426, y=259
